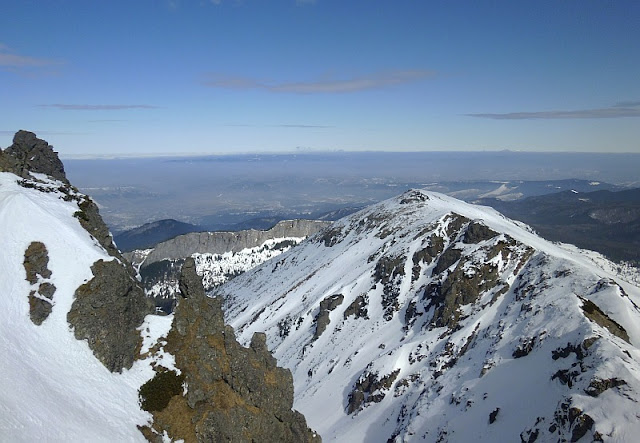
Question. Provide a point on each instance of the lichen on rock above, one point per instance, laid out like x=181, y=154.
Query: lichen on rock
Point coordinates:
x=326, y=306
x=36, y=260
x=233, y=393
x=371, y=387
x=107, y=311
x=31, y=154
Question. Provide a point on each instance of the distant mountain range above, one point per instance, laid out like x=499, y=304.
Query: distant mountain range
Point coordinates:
x=593, y=215
x=604, y=221
x=150, y=234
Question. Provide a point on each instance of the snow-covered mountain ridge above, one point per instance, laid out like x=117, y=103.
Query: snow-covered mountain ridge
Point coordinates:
x=55, y=387
x=83, y=358
x=424, y=317
x=160, y=278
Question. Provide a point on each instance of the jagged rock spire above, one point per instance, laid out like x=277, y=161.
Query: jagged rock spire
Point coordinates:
x=232, y=393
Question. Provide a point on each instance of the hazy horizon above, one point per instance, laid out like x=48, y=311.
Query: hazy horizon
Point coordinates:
x=133, y=191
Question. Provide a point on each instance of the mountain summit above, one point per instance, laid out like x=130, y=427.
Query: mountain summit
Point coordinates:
x=426, y=318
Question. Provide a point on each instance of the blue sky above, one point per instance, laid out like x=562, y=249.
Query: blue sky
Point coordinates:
x=194, y=76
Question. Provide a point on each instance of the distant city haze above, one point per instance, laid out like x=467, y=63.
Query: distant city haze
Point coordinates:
x=219, y=191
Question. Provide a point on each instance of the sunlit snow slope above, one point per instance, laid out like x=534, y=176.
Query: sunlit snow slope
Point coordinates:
x=53, y=388
x=424, y=317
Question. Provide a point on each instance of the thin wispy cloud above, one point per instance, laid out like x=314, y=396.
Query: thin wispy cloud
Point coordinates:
x=8, y=59
x=325, y=86
x=619, y=110
x=628, y=104
x=298, y=126
x=304, y=126
x=39, y=133
x=71, y=107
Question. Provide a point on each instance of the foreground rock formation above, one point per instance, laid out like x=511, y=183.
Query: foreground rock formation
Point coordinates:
x=231, y=393
x=83, y=356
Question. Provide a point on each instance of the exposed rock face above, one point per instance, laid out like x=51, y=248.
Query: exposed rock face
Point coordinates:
x=221, y=242
x=326, y=306
x=370, y=388
x=594, y=313
x=36, y=259
x=233, y=393
x=90, y=219
x=31, y=154
x=357, y=308
x=107, y=311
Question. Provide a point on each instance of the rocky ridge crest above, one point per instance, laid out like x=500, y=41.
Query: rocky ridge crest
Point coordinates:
x=220, y=242
x=113, y=287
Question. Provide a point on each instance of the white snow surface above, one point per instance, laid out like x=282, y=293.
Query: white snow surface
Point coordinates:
x=53, y=388
x=215, y=269
x=447, y=381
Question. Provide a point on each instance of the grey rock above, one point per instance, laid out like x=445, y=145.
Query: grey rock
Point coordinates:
x=36, y=260
x=370, y=388
x=90, y=219
x=597, y=386
x=447, y=258
x=595, y=314
x=477, y=232
x=389, y=272
x=107, y=311
x=357, y=308
x=185, y=245
x=458, y=288
x=326, y=306
x=39, y=309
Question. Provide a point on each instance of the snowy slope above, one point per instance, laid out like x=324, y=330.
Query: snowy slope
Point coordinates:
x=53, y=388
x=410, y=320
x=215, y=269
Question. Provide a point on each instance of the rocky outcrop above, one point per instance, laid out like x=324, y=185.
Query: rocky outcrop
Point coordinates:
x=231, y=393
x=109, y=308
x=36, y=260
x=326, y=306
x=89, y=217
x=371, y=387
x=595, y=314
x=107, y=311
x=221, y=242
x=31, y=154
